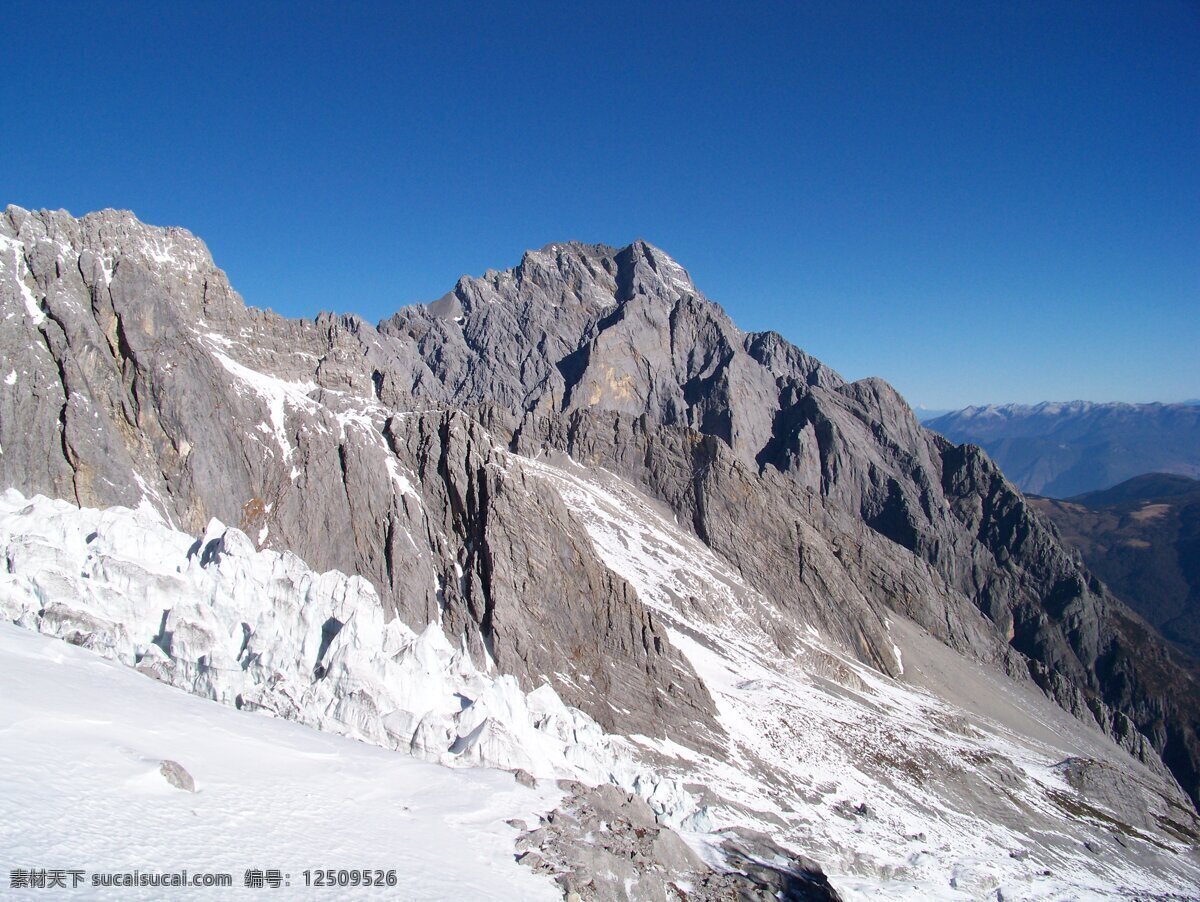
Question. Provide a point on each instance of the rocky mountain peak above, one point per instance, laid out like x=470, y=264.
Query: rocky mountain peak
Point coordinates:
x=652, y=271
x=109, y=235
x=590, y=277
x=438, y=456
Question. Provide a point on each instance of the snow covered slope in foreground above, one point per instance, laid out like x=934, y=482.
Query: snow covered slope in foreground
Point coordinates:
x=81, y=741
x=952, y=783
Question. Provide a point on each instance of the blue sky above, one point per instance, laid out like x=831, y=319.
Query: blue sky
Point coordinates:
x=979, y=202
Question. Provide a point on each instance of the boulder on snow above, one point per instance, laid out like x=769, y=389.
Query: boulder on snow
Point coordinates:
x=176, y=774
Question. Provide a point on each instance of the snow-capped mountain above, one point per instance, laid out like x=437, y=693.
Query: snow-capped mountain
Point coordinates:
x=592, y=530
x=1065, y=449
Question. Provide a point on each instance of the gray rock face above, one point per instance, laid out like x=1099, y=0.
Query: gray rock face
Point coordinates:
x=142, y=378
x=603, y=844
x=176, y=774
x=1099, y=784
x=136, y=375
x=522, y=581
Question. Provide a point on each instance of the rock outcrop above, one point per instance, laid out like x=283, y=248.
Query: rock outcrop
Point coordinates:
x=605, y=844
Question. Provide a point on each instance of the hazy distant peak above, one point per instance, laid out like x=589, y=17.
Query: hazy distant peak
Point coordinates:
x=1064, y=448
x=1059, y=408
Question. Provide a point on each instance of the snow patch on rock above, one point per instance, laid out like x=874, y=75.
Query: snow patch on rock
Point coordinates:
x=14, y=251
x=277, y=393
x=896, y=792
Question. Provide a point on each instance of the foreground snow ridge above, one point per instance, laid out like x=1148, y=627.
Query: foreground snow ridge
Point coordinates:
x=261, y=631
x=84, y=740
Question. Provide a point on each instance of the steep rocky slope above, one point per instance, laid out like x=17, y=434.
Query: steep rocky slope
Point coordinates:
x=409, y=454
x=1064, y=449
x=138, y=376
x=1142, y=538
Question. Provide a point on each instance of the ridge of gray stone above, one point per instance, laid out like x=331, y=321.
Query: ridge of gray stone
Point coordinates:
x=140, y=376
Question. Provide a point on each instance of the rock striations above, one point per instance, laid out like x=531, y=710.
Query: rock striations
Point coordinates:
x=429, y=455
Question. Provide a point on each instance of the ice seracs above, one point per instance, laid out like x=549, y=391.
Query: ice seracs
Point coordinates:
x=260, y=630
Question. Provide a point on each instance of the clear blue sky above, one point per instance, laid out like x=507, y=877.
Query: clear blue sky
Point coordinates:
x=979, y=202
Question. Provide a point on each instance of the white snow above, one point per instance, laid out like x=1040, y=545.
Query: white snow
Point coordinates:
x=150, y=495
x=16, y=252
x=276, y=393
x=358, y=418
x=223, y=340
x=259, y=630
x=83, y=742
x=11, y=378
x=672, y=272
x=399, y=478
x=159, y=245
x=813, y=736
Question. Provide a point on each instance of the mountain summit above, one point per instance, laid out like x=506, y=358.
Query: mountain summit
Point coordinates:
x=589, y=478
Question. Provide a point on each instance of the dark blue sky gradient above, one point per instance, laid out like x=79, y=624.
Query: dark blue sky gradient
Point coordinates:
x=979, y=202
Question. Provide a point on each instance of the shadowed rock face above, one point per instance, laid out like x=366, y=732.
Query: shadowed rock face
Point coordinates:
x=1142, y=538
x=138, y=376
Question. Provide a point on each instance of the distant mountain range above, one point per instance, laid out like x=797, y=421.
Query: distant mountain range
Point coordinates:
x=1066, y=449
x=925, y=414
x=1142, y=538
